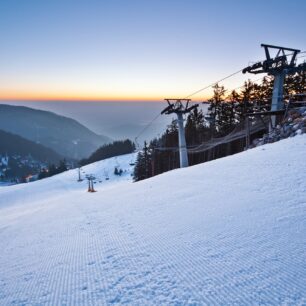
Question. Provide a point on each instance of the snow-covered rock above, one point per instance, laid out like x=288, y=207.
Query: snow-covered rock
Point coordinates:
x=295, y=124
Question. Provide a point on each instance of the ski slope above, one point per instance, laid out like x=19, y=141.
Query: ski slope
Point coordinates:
x=43, y=190
x=227, y=232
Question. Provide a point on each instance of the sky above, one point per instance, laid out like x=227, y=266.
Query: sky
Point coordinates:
x=117, y=120
x=136, y=50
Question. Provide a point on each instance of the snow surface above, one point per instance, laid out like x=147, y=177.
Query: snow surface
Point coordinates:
x=2, y=184
x=227, y=232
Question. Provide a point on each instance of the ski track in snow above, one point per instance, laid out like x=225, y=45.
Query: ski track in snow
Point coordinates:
x=227, y=232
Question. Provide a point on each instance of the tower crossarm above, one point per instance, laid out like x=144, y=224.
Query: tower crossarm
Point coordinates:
x=178, y=106
x=273, y=65
x=282, y=63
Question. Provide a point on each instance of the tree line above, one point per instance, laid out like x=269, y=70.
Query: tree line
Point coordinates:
x=53, y=169
x=106, y=151
x=225, y=111
x=115, y=148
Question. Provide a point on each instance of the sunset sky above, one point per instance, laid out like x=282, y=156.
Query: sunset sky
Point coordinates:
x=136, y=50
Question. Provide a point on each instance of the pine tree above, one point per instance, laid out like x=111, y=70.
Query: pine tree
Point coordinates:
x=110, y=150
x=216, y=107
x=142, y=169
x=62, y=166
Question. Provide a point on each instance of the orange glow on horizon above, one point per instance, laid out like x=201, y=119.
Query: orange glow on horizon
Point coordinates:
x=43, y=96
x=23, y=96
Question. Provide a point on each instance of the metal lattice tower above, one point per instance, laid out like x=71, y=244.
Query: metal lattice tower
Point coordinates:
x=180, y=107
x=278, y=66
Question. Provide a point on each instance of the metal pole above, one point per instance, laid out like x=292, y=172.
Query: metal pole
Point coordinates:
x=146, y=159
x=89, y=187
x=277, y=95
x=79, y=171
x=247, y=131
x=180, y=109
x=182, y=141
x=92, y=186
x=153, y=162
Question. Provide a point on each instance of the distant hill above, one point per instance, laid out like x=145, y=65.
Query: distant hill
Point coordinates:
x=11, y=144
x=62, y=134
x=116, y=148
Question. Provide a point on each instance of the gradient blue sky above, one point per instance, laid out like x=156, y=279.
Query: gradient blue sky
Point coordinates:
x=136, y=50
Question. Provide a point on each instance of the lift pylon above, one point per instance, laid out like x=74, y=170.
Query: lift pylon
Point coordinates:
x=180, y=107
x=283, y=63
x=90, y=179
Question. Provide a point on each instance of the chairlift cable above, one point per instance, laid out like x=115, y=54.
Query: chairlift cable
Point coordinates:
x=145, y=128
x=212, y=84
x=196, y=92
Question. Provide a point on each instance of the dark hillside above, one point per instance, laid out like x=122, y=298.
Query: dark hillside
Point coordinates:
x=64, y=135
x=11, y=144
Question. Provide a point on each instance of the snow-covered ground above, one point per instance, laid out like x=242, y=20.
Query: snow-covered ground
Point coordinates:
x=43, y=190
x=4, y=184
x=228, y=232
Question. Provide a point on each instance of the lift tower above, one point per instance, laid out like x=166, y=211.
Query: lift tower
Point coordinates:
x=283, y=63
x=180, y=107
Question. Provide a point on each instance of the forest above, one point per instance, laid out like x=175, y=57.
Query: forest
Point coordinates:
x=225, y=112
x=115, y=148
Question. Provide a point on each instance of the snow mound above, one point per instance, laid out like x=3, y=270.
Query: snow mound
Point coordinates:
x=227, y=232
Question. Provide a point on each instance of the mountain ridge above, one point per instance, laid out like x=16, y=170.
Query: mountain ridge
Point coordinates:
x=15, y=144
x=64, y=135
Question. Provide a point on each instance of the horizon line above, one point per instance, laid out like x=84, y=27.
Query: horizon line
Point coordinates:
x=127, y=100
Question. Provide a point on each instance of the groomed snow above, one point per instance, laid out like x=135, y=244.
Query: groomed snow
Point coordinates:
x=228, y=232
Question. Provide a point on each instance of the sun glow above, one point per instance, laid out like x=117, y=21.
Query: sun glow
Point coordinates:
x=45, y=96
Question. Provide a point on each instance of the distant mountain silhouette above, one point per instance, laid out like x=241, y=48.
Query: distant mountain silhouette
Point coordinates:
x=11, y=144
x=62, y=134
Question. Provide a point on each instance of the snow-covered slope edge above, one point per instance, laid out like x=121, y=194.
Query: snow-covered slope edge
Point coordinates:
x=231, y=231
x=41, y=194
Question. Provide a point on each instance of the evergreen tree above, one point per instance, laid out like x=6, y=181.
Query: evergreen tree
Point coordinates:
x=141, y=169
x=62, y=166
x=52, y=170
x=110, y=150
x=195, y=129
x=216, y=107
x=225, y=113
